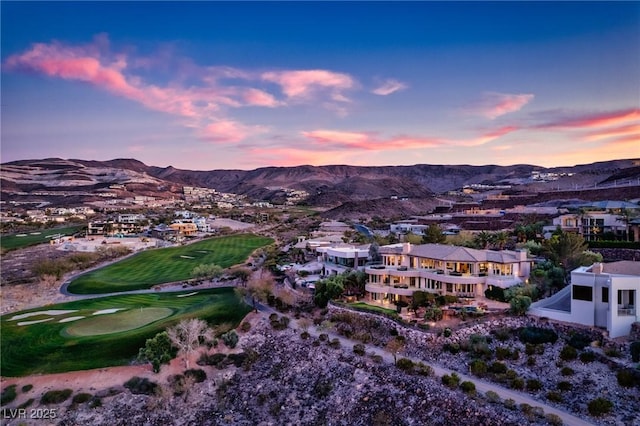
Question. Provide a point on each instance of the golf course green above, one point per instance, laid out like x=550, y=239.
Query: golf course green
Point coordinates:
x=151, y=267
x=107, y=331
x=17, y=241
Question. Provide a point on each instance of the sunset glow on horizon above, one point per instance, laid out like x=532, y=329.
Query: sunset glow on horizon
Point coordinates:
x=242, y=85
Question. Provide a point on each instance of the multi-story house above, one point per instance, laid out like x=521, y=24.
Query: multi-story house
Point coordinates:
x=591, y=225
x=603, y=295
x=443, y=269
x=339, y=259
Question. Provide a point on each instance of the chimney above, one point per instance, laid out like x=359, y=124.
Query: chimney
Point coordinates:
x=597, y=268
x=406, y=248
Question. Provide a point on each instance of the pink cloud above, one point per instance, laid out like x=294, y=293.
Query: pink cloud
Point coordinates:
x=628, y=131
x=493, y=104
x=388, y=87
x=595, y=120
x=229, y=131
x=301, y=84
x=256, y=97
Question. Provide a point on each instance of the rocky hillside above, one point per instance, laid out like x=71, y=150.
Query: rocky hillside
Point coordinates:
x=327, y=185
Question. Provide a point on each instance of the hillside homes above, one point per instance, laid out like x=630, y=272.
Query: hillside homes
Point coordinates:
x=442, y=269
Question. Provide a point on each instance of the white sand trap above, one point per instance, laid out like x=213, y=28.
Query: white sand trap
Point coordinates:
x=70, y=319
x=33, y=314
x=34, y=322
x=35, y=233
x=107, y=311
x=21, y=235
x=187, y=295
x=202, y=251
x=186, y=257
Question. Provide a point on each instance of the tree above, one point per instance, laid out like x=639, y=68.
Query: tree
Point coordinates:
x=158, y=350
x=259, y=287
x=483, y=239
x=564, y=248
x=412, y=238
x=374, y=253
x=207, y=271
x=520, y=304
x=327, y=289
x=500, y=240
x=242, y=275
x=188, y=335
x=433, y=235
x=354, y=283
x=395, y=346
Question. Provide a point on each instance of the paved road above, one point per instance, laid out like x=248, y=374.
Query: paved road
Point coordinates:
x=482, y=386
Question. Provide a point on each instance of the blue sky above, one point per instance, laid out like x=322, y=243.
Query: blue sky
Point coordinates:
x=211, y=85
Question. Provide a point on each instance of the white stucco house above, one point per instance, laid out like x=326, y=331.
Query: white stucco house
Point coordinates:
x=603, y=295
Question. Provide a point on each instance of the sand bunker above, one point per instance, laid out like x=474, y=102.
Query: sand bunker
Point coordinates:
x=70, y=319
x=186, y=257
x=187, y=295
x=107, y=311
x=34, y=322
x=33, y=314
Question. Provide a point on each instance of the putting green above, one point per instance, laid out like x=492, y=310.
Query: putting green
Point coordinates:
x=116, y=323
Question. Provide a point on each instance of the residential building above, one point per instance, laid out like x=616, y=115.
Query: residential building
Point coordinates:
x=443, y=269
x=339, y=259
x=591, y=225
x=184, y=228
x=602, y=295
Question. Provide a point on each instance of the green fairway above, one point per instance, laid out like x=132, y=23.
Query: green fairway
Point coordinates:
x=151, y=267
x=103, y=332
x=372, y=308
x=16, y=241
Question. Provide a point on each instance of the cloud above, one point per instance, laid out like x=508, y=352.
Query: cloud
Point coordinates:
x=592, y=121
x=256, y=97
x=302, y=84
x=388, y=87
x=229, y=131
x=628, y=131
x=493, y=105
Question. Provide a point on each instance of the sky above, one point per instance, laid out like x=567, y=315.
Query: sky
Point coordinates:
x=241, y=85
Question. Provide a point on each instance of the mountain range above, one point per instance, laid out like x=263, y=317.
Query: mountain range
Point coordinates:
x=327, y=185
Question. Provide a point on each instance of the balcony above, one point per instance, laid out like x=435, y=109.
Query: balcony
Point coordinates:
x=626, y=312
x=399, y=289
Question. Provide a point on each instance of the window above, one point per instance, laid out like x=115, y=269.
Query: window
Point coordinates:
x=582, y=292
x=605, y=294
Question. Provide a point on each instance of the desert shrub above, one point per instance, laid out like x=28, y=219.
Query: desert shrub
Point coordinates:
x=323, y=337
x=26, y=404
x=56, y=396
x=95, y=402
x=454, y=348
x=565, y=386
x=141, y=386
x=599, y=406
x=498, y=368
x=322, y=388
x=8, y=394
x=273, y=317
x=452, y=381
x=423, y=369
x=26, y=388
x=567, y=371
x=359, y=349
x=478, y=367
x=511, y=374
x=627, y=378
x=178, y=384
x=579, y=341
x=534, y=385
x=245, y=326
x=568, y=353
x=554, y=419
x=377, y=358
x=335, y=343
x=305, y=335
x=230, y=339
x=537, y=335
x=196, y=374
x=502, y=334
x=217, y=360
x=478, y=346
x=81, y=398
x=405, y=364
x=242, y=358
x=510, y=404
x=503, y=353
x=447, y=332
x=554, y=396
x=492, y=397
x=531, y=361
x=526, y=408
x=468, y=387
x=635, y=351
x=517, y=383
x=587, y=357
x=612, y=352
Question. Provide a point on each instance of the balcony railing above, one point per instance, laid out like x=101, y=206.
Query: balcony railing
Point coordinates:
x=624, y=312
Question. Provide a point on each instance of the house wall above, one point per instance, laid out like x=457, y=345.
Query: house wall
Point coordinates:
x=620, y=325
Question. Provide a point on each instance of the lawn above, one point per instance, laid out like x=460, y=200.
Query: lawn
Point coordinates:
x=17, y=241
x=103, y=332
x=151, y=267
x=372, y=308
